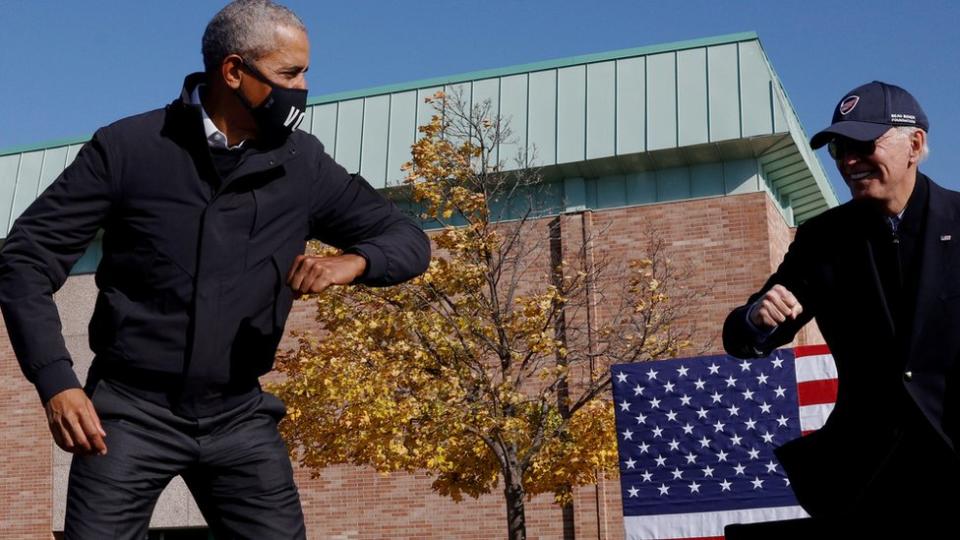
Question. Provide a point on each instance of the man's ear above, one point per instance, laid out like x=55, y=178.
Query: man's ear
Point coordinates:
x=918, y=139
x=230, y=70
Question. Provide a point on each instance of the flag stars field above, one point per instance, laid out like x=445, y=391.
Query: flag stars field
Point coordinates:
x=670, y=417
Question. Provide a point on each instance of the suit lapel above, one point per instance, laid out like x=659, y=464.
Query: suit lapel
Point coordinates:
x=940, y=234
x=857, y=265
x=870, y=261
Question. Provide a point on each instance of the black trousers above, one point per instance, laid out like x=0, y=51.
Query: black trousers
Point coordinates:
x=235, y=465
x=912, y=496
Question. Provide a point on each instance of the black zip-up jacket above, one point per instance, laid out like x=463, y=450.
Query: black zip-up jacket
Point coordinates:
x=192, y=285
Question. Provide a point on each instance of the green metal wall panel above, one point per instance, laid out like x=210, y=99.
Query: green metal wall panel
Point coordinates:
x=549, y=198
x=575, y=194
x=72, y=152
x=673, y=184
x=661, y=101
x=601, y=109
x=631, y=107
x=403, y=129
x=779, y=119
x=27, y=181
x=571, y=114
x=54, y=161
x=9, y=165
x=487, y=90
x=87, y=264
x=542, y=124
x=755, y=95
x=307, y=123
x=692, y=114
x=349, y=134
x=486, y=95
x=741, y=176
x=641, y=187
x=706, y=180
x=324, y=126
x=513, y=111
x=724, y=103
x=591, y=192
x=464, y=93
x=425, y=111
x=373, y=152
x=611, y=191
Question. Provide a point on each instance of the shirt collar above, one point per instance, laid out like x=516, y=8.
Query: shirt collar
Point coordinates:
x=911, y=218
x=215, y=137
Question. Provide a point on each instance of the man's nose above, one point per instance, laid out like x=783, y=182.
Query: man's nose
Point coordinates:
x=847, y=158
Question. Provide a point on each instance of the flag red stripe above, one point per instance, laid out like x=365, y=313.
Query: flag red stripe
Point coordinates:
x=811, y=350
x=817, y=392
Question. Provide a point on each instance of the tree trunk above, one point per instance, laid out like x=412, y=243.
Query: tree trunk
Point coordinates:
x=516, y=521
x=569, y=525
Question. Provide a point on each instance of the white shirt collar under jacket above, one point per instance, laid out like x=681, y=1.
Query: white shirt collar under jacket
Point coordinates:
x=215, y=137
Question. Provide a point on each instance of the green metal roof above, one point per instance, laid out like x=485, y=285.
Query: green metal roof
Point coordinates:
x=536, y=66
x=666, y=107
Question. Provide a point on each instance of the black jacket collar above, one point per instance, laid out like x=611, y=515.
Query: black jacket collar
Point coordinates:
x=184, y=125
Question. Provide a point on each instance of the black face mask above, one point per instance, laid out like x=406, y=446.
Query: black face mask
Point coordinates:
x=281, y=111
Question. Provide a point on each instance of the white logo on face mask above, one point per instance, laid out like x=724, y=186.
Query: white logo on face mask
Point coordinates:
x=294, y=117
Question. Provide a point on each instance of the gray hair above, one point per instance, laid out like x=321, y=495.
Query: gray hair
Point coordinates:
x=906, y=132
x=247, y=28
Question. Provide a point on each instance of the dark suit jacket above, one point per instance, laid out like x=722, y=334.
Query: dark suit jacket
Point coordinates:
x=891, y=386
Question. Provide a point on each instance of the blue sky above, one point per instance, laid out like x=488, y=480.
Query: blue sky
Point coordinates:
x=68, y=67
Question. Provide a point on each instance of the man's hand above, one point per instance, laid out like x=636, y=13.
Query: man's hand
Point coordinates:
x=74, y=423
x=775, y=307
x=312, y=274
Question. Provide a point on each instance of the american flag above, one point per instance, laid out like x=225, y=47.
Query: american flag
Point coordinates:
x=696, y=438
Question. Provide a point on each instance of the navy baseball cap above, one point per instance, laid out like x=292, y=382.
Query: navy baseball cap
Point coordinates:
x=868, y=111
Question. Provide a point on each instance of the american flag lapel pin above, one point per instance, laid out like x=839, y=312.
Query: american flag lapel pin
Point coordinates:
x=945, y=237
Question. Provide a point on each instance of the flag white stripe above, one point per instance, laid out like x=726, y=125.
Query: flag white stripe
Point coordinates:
x=813, y=416
x=815, y=368
x=700, y=524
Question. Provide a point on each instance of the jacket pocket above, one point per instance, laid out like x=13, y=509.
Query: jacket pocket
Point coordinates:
x=279, y=208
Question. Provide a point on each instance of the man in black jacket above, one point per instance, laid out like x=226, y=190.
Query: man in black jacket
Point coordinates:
x=205, y=207
x=881, y=274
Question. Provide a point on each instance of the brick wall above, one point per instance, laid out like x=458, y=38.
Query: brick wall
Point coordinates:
x=26, y=455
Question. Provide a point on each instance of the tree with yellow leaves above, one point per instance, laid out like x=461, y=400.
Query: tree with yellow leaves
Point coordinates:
x=490, y=369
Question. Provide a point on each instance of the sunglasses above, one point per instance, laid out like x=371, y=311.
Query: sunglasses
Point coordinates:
x=842, y=146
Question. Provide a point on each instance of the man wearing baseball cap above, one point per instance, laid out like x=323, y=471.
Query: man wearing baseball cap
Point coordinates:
x=881, y=274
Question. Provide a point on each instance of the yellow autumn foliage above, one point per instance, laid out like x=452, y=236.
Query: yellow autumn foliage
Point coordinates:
x=459, y=372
